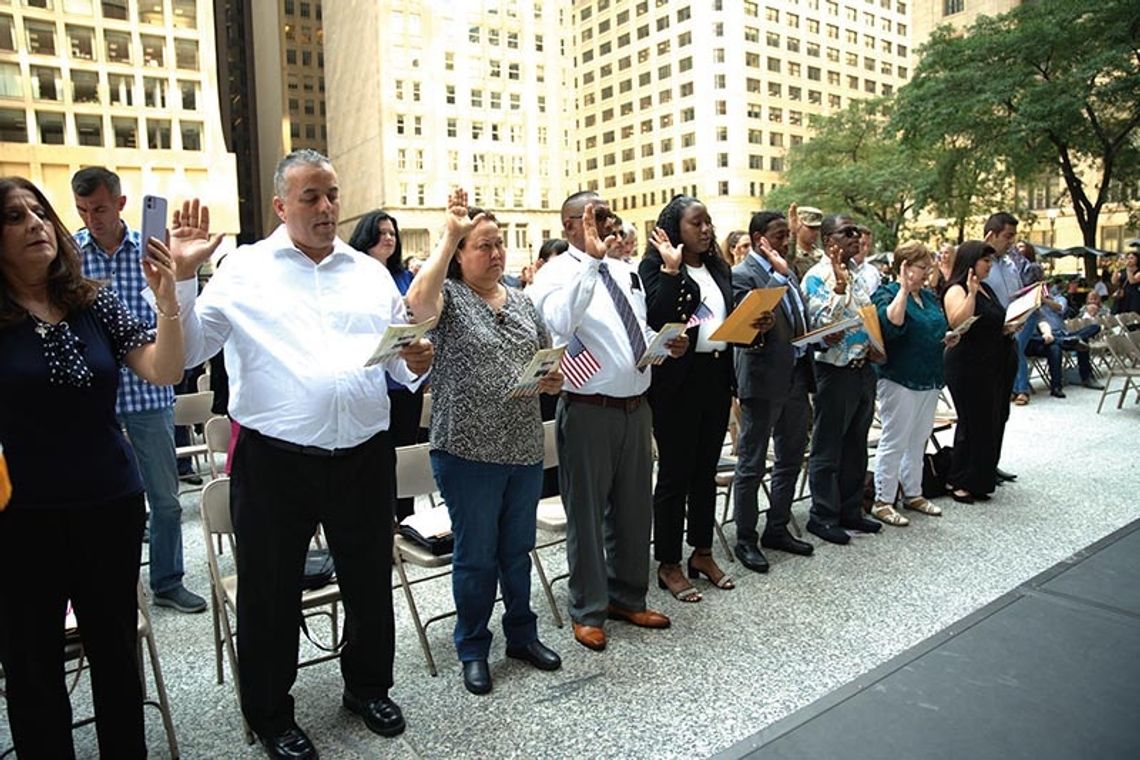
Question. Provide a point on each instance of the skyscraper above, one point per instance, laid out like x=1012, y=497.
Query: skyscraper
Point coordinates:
x=423, y=95
x=128, y=85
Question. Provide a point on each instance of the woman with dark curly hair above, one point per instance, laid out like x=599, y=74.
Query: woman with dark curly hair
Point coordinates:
x=378, y=235
x=686, y=280
x=77, y=509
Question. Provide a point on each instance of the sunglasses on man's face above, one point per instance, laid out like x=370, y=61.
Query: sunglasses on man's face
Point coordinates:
x=848, y=232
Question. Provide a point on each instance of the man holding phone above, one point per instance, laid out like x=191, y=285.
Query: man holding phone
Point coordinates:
x=111, y=251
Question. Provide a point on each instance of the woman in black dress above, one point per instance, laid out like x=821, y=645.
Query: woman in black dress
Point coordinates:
x=973, y=368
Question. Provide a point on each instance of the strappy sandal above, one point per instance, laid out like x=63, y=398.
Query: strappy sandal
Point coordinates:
x=682, y=593
x=884, y=512
x=920, y=504
x=1021, y=399
x=723, y=581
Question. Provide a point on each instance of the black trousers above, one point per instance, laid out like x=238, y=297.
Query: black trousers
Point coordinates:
x=278, y=498
x=844, y=410
x=404, y=410
x=689, y=422
x=90, y=555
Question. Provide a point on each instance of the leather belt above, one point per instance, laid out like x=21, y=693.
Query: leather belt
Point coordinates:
x=296, y=448
x=716, y=354
x=627, y=404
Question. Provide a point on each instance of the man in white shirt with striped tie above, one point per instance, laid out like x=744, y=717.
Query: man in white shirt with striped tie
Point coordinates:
x=605, y=456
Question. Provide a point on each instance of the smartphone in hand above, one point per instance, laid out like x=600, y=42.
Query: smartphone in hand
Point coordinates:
x=153, y=219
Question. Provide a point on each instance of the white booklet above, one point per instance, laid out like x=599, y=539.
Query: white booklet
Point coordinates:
x=962, y=328
x=657, y=352
x=817, y=335
x=545, y=359
x=396, y=338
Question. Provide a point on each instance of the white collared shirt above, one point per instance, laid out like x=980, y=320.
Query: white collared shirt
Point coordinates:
x=571, y=298
x=296, y=337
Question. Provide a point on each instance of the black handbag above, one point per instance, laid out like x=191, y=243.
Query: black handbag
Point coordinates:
x=935, y=468
x=319, y=570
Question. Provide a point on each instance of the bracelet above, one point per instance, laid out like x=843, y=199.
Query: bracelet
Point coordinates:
x=173, y=317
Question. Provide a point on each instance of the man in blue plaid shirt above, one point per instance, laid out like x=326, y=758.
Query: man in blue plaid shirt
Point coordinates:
x=113, y=252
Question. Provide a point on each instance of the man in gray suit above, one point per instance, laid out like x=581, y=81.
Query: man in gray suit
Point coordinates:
x=773, y=379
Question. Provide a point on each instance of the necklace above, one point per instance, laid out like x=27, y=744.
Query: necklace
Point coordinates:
x=42, y=327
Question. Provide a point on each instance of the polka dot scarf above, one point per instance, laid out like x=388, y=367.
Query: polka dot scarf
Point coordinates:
x=64, y=352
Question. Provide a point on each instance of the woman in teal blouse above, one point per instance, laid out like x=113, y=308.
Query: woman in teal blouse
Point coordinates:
x=915, y=332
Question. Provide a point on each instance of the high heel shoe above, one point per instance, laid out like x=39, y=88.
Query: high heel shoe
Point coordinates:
x=682, y=593
x=724, y=581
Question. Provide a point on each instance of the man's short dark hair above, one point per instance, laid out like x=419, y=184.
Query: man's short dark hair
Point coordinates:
x=998, y=222
x=86, y=181
x=761, y=220
x=830, y=224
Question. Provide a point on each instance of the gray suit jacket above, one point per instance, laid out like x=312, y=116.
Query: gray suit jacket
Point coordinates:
x=764, y=369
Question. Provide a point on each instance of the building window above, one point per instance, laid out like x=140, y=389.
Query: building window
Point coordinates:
x=154, y=91
x=41, y=38
x=126, y=132
x=116, y=9
x=153, y=51
x=122, y=90
x=722, y=186
x=186, y=54
x=50, y=127
x=158, y=134
x=8, y=41
x=950, y=7
x=185, y=14
x=85, y=86
x=47, y=84
x=192, y=135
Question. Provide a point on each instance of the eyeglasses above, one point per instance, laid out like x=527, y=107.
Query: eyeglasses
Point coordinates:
x=850, y=232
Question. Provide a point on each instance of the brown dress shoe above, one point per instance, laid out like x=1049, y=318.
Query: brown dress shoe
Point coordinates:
x=590, y=636
x=643, y=618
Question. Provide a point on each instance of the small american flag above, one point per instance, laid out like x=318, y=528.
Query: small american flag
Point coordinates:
x=578, y=364
x=702, y=314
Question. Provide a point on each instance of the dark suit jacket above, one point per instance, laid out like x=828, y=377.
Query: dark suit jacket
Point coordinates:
x=764, y=369
x=674, y=298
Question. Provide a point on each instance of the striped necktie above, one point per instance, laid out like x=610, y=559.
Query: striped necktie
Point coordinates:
x=628, y=319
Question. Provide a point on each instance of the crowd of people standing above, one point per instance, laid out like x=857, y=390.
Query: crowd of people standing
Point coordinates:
x=93, y=359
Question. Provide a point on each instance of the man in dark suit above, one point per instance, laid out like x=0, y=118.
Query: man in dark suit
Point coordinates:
x=773, y=379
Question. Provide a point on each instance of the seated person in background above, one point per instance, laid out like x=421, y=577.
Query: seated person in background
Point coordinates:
x=1092, y=307
x=1051, y=339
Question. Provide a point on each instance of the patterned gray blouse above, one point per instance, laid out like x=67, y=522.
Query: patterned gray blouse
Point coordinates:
x=479, y=354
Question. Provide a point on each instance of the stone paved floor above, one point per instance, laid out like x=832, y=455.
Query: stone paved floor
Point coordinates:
x=730, y=665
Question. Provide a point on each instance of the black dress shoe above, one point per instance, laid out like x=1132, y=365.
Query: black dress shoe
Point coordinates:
x=537, y=654
x=381, y=714
x=1003, y=475
x=751, y=557
x=968, y=498
x=477, y=676
x=831, y=533
x=290, y=745
x=1057, y=393
x=786, y=542
x=862, y=524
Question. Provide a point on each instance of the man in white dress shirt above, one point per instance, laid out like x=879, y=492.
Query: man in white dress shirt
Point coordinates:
x=298, y=314
x=604, y=424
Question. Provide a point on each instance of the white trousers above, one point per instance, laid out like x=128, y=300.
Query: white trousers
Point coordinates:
x=908, y=418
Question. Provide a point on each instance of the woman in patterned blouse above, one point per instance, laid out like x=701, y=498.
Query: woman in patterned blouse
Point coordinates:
x=73, y=529
x=486, y=445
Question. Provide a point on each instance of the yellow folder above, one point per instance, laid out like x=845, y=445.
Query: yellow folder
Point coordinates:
x=738, y=327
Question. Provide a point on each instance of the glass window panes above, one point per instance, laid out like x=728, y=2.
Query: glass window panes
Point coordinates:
x=189, y=92
x=153, y=50
x=121, y=89
x=118, y=46
x=158, y=134
x=84, y=86
x=185, y=13
x=50, y=127
x=154, y=92
x=13, y=126
x=7, y=33
x=116, y=9
x=126, y=132
x=41, y=37
x=81, y=40
x=151, y=13
x=89, y=129
x=192, y=135
x=10, y=81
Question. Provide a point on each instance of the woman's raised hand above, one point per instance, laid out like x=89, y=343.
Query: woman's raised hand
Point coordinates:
x=458, y=225
x=670, y=255
x=973, y=284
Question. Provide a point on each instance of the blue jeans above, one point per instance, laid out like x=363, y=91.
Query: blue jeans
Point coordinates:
x=492, y=508
x=1021, y=380
x=152, y=438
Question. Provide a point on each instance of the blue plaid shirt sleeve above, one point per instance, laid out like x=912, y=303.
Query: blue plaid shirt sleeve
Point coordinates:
x=123, y=274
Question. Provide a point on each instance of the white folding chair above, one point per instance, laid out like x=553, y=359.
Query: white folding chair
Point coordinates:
x=192, y=409
x=217, y=524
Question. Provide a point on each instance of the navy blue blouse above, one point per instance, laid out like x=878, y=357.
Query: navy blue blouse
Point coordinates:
x=58, y=385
